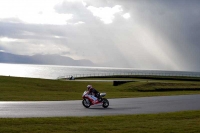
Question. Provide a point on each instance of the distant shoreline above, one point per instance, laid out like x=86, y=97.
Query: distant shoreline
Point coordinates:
x=55, y=71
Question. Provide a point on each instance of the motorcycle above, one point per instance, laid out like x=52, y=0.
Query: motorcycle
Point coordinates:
x=89, y=100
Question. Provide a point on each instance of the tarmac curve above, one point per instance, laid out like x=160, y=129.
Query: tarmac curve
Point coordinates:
x=144, y=105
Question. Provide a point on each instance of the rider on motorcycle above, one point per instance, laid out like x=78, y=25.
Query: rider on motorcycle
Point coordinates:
x=93, y=91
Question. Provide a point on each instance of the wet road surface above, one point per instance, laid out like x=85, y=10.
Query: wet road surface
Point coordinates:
x=144, y=105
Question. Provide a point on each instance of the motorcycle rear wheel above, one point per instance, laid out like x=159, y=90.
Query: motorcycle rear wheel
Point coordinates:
x=86, y=103
x=105, y=103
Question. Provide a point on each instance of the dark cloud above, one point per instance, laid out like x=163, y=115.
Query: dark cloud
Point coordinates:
x=176, y=22
x=158, y=35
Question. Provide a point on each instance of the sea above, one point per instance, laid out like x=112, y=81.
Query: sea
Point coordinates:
x=56, y=71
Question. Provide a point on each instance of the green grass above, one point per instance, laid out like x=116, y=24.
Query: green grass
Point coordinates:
x=30, y=89
x=179, y=122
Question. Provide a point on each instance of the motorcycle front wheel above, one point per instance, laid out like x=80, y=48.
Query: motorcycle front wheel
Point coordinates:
x=105, y=103
x=86, y=103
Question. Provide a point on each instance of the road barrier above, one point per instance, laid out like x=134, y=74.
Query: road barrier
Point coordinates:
x=135, y=74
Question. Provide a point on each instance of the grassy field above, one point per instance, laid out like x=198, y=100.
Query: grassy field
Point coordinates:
x=28, y=89
x=179, y=122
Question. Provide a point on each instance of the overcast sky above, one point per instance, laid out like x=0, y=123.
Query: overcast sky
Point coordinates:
x=143, y=34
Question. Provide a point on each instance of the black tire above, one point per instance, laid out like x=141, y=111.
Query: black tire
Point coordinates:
x=86, y=103
x=105, y=103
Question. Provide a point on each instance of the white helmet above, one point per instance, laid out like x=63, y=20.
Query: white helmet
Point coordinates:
x=89, y=86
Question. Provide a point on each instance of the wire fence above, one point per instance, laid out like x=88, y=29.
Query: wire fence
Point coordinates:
x=154, y=73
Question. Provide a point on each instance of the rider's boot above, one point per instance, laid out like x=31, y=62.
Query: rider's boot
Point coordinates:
x=99, y=99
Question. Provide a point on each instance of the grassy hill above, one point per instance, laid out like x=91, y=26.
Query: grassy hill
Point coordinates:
x=32, y=89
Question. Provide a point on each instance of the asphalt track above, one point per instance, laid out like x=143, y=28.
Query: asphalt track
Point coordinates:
x=144, y=105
